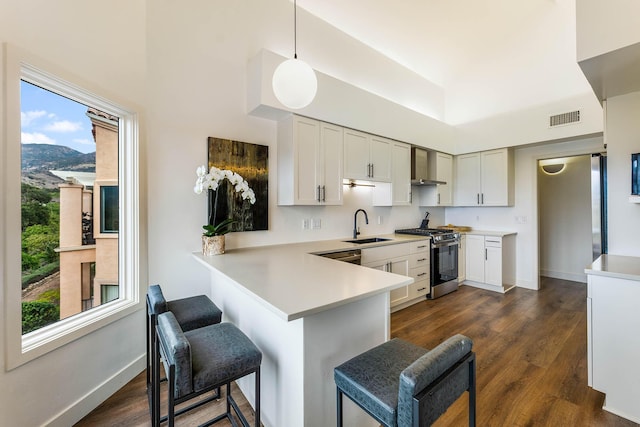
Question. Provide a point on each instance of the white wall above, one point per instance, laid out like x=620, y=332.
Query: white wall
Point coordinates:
x=197, y=74
x=604, y=26
x=565, y=220
x=623, y=138
x=529, y=126
x=63, y=385
x=526, y=205
x=187, y=65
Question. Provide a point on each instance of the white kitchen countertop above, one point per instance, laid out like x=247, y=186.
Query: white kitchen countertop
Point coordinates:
x=294, y=283
x=619, y=266
x=490, y=233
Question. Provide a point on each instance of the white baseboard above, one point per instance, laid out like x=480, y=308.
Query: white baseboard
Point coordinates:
x=83, y=406
x=574, y=277
x=407, y=304
x=620, y=413
x=527, y=284
x=488, y=287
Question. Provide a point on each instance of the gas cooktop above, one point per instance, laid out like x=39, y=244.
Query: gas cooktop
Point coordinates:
x=424, y=231
x=437, y=234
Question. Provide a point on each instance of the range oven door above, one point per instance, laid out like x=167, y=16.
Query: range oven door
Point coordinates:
x=444, y=268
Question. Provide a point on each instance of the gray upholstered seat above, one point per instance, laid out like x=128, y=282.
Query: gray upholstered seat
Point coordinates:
x=202, y=360
x=191, y=313
x=395, y=379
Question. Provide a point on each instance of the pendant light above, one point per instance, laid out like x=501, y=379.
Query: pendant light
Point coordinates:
x=294, y=81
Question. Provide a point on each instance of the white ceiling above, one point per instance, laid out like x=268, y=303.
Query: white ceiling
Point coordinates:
x=490, y=56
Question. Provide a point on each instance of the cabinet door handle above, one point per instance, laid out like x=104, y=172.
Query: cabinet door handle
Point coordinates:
x=485, y=254
x=324, y=193
x=482, y=198
x=372, y=173
x=478, y=198
x=318, y=193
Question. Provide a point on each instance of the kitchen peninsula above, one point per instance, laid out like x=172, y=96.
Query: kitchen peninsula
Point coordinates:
x=613, y=321
x=307, y=314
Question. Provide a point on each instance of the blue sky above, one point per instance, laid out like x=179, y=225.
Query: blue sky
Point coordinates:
x=48, y=118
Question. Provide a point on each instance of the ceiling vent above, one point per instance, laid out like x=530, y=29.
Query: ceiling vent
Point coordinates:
x=564, y=119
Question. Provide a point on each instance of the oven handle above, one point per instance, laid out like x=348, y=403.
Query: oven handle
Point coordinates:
x=444, y=244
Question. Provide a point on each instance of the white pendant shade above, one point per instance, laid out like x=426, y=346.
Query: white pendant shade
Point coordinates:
x=295, y=83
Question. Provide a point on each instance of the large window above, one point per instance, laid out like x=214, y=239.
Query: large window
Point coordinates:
x=67, y=148
x=71, y=159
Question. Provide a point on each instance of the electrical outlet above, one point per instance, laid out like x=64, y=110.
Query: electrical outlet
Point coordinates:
x=305, y=224
x=379, y=219
x=316, y=223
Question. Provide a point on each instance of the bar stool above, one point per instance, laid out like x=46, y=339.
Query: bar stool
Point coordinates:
x=401, y=384
x=191, y=313
x=202, y=360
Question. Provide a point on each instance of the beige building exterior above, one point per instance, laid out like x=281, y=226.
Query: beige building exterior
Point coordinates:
x=89, y=254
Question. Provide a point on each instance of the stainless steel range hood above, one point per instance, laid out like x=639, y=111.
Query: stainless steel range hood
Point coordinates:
x=420, y=168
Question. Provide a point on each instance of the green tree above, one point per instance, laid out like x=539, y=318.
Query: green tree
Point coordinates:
x=36, y=314
x=29, y=262
x=35, y=194
x=40, y=241
x=34, y=213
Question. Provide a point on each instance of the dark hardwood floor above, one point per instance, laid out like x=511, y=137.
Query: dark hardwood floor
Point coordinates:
x=531, y=349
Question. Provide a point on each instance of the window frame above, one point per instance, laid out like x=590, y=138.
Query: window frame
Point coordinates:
x=19, y=65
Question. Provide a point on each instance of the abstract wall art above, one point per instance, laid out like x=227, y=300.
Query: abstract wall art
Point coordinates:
x=251, y=161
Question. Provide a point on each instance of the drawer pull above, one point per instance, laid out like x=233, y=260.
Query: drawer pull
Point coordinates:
x=422, y=274
x=421, y=289
x=422, y=246
x=422, y=259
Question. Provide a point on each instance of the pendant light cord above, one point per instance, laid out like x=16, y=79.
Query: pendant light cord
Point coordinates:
x=295, y=30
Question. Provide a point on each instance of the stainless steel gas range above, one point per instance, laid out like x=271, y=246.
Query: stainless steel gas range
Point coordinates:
x=444, y=258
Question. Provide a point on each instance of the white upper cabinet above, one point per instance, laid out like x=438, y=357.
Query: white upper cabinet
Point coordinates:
x=443, y=165
x=467, y=184
x=309, y=162
x=440, y=168
x=366, y=157
x=485, y=178
x=401, y=174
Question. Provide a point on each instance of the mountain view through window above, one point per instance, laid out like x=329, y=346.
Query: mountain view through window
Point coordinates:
x=69, y=176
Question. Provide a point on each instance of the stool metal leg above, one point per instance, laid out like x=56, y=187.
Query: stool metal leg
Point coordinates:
x=155, y=385
x=171, y=378
x=257, y=403
x=339, y=407
x=472, y=393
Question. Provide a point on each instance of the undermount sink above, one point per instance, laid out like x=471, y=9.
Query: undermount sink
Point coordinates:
x=368, y=240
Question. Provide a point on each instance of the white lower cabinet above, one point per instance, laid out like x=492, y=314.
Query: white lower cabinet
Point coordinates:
x=462, y=258
x=408, y=259
x=490, y=261
x=419, y=269
x=613, y=320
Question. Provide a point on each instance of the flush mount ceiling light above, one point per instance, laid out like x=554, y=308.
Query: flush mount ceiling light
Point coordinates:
x=553, y=169
x=294, y=81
